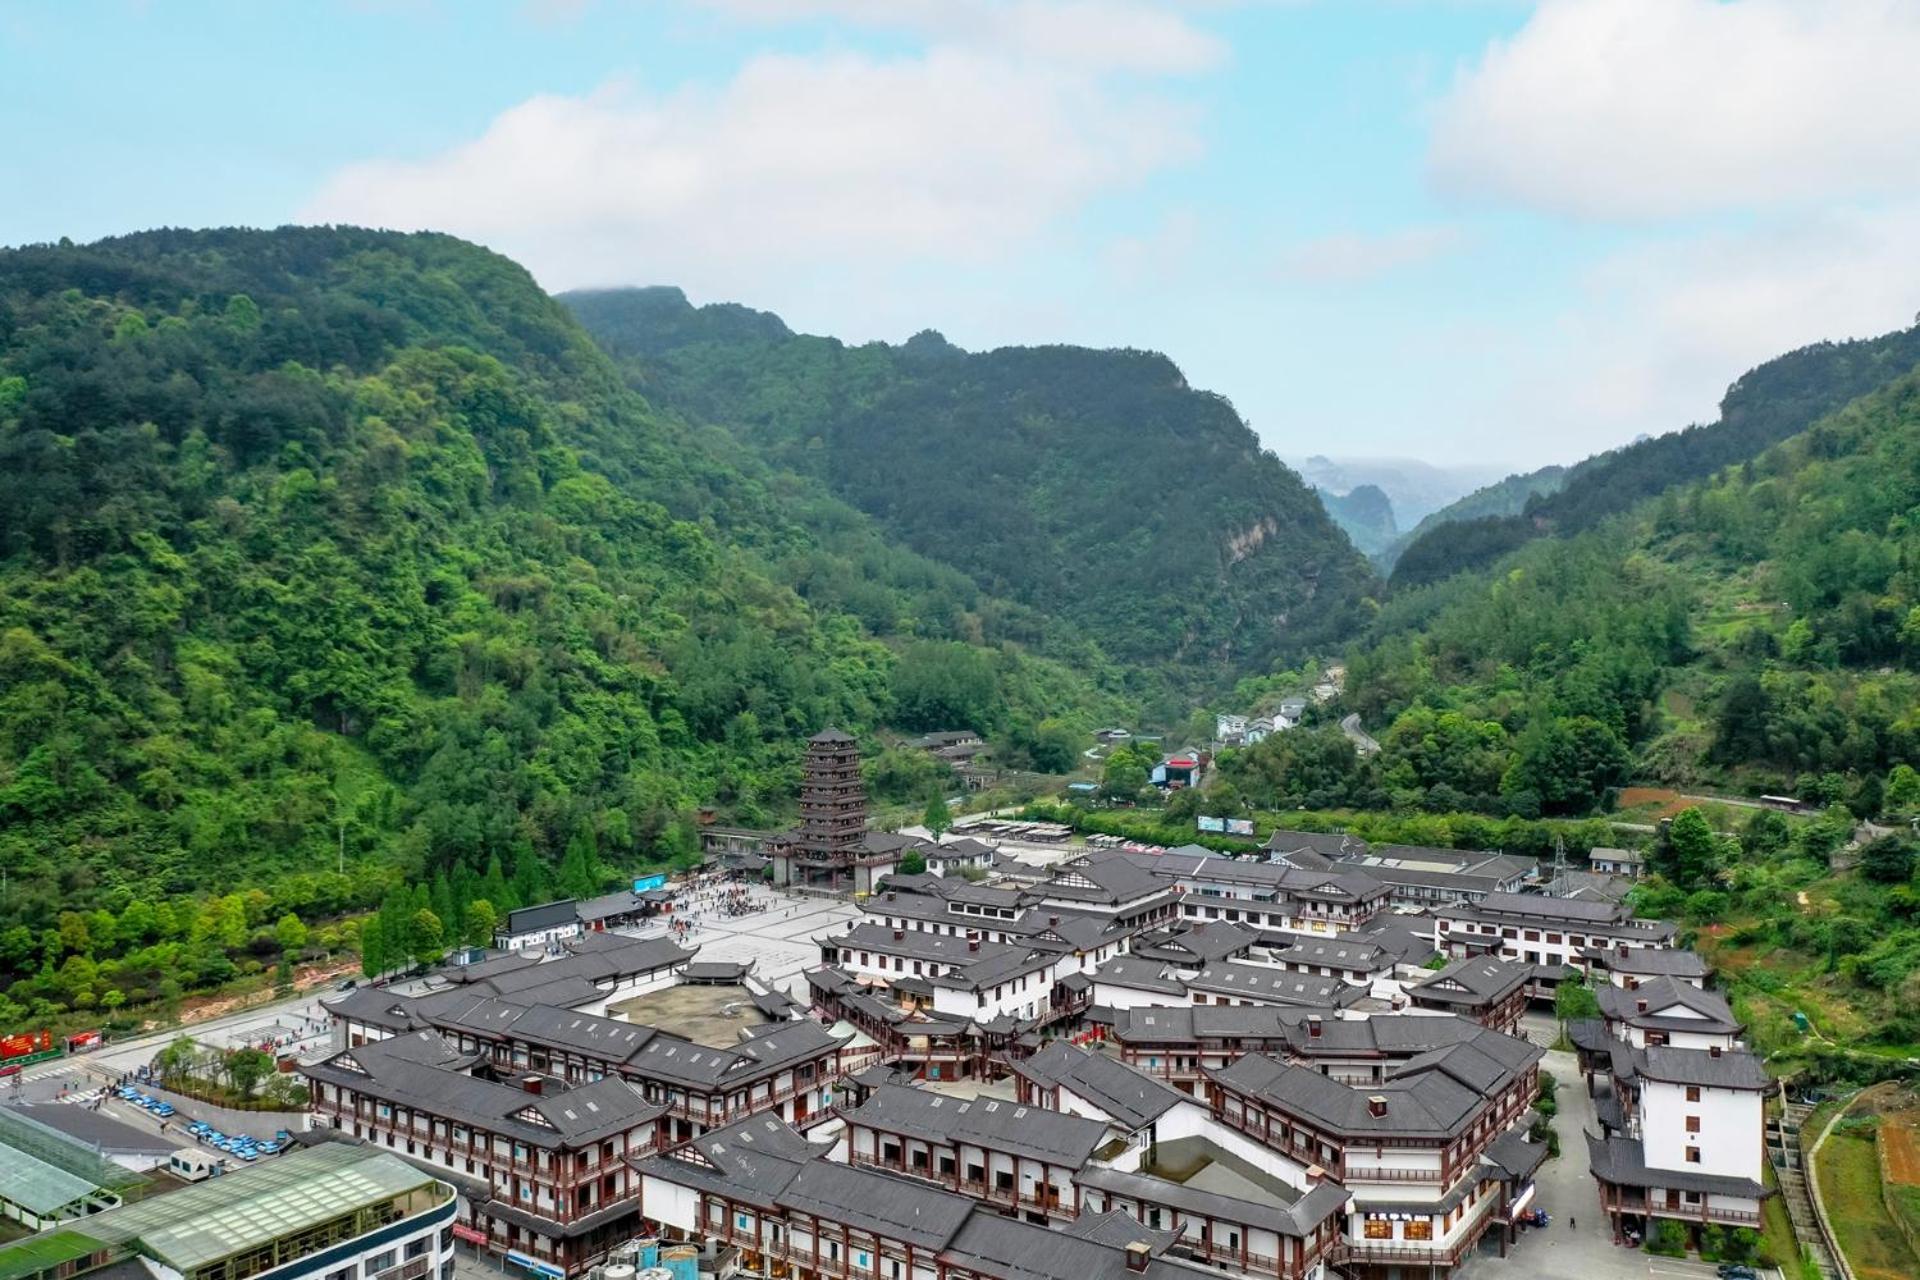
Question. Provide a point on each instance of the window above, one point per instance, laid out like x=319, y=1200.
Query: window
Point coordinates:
x=1693, y=1124
x=1693, y=1155
x=378, y=1262
x=344, y=1273
x=1379, y=1228
x=1419, y=1229
x=417, y=1247
x=1693, y=1093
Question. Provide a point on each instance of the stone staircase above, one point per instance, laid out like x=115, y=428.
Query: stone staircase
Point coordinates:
x=1783, y=1146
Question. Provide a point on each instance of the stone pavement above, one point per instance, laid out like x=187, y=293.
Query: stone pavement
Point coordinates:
x=782, y=940
x=1566, y=1191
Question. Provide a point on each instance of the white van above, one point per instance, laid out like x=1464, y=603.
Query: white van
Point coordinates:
x=193, y=1166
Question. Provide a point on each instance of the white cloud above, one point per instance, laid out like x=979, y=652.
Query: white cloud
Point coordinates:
x=1664, y=326
x=796, y=164
x=1630, y=109
x=1357, y=257
x=1151, y=36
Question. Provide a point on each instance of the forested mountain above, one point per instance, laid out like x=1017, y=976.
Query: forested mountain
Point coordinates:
x=330, y=557
x=1094, y=487
x=1759, y=628
x=1364, y=514
x=1768, y=404
x=1507, y=497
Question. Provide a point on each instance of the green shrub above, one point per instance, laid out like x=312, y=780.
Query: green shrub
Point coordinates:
x=1668, y=1238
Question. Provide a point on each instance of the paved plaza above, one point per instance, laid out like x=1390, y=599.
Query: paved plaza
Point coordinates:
x=782, y=937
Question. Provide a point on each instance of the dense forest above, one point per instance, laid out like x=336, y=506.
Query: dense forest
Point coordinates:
x=1757, y=630
x=1094, y=487
x=1766, y=405
x=333, y=560
x=344, y=570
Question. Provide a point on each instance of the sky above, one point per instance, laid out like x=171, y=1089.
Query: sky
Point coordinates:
x=1467, y=231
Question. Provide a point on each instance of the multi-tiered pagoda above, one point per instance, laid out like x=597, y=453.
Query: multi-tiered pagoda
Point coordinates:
x=832, y=848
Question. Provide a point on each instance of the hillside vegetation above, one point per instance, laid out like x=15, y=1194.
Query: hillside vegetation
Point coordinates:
x=1364, y=514
x=1778, y=399
x=331, y=559
x=1094, y=487
x=1508, y=497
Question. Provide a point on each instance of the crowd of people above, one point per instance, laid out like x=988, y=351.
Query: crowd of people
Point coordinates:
x=714, y=895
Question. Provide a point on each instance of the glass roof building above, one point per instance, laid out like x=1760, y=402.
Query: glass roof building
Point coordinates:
x=309, y=1212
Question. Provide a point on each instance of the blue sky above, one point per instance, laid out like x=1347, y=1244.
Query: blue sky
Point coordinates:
x=1460, y=230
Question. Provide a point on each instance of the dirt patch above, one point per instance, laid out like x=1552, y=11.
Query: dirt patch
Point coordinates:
x=1900, y=1146
x=197, y=1009
x=1659, y=802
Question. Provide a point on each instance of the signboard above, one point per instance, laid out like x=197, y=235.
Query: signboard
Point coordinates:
x=643, y=883
x=81, y=1041
x=1211, y=824
x=535, y=1265
x=25, y=1044
x=461, y=1231
x=1239, y=826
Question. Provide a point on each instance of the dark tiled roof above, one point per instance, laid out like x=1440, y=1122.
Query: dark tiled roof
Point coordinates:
x=1515, y=1154
x=1652, y=962
x=1728, y=1069
x=417, y=1071
x=895, y=1208
x=991, y=1245
x=1474, y=981
x=1130, y=1097
x=1254, y=982
x=547, y=915
x=1117, y=1230
x=1432, y=1097
x=1195, y=944
x=1296, y=1218
x=1623, y=1162
x=1139, y=974
x=624, y=902
x=1708, y=1011
x=1331, y=845
x=994, y=1123
x=716, y=970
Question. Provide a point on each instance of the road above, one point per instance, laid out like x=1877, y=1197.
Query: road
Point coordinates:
x=1361, y=739
x=299, y=1017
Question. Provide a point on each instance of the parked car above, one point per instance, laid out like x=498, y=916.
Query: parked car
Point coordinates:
x=1737, y=1271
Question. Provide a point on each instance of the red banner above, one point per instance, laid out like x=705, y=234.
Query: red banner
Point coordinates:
x=23, y=1043
x=461, y=1231
x=81, y=1041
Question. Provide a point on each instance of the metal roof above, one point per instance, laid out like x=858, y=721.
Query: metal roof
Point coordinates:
x=36, y=1186
x=203, y=1223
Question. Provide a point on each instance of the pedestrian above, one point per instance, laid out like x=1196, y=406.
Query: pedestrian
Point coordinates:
x=1573, y=1223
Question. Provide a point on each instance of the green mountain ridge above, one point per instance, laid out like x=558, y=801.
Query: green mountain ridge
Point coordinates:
x=1094, y=487
x=1505, y=497
x=331, y=558
x=1365, y=514
x=1759, y=628
x=1767, y=404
